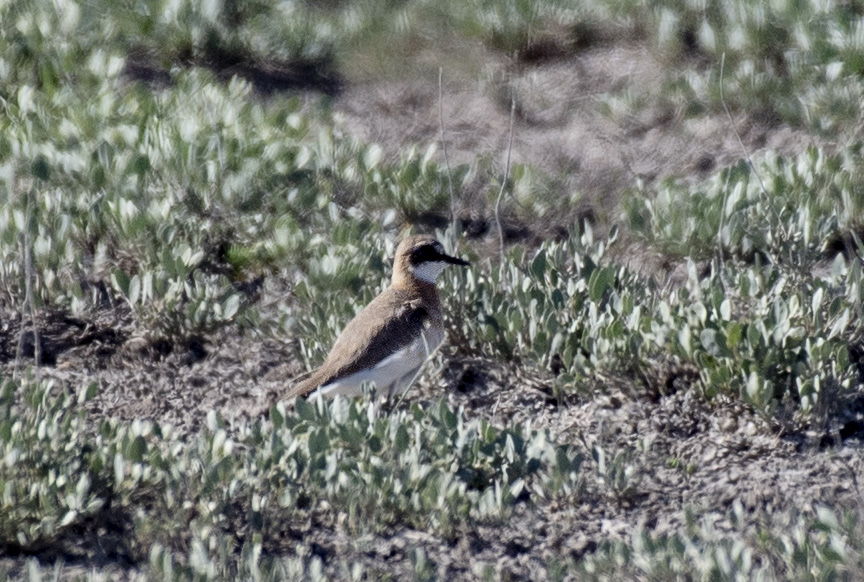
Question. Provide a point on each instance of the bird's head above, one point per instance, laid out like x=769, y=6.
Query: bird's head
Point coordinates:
x=422, y=257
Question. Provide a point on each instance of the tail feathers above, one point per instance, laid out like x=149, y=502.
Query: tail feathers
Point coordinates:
x=302, y=388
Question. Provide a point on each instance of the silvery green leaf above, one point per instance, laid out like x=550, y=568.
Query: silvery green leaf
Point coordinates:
x=231, y=306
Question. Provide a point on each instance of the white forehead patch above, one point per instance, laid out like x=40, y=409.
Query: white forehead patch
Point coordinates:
x=429, y=271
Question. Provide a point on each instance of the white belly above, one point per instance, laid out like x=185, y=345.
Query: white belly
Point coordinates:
x=392, y=375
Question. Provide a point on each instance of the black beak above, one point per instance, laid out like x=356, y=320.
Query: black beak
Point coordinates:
x=454, y=260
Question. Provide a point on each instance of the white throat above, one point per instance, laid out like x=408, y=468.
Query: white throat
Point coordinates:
x=429, y=271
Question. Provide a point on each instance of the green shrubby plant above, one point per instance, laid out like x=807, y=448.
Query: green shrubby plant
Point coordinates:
x=617, y=471
x=508, y=26
x=429, y=465
x=765, y=333
x=822, y=546
x=203, y=499
x=174, y=196
x=771, y=55
x=788, y=61
x=561, y=302
x=784, y=324
x=817, y=547
x=337, y=285
x=414, y=186
x=251, y=563
x=212, y=33
x=48, y=486
x=766, y=337
x=793, y=61
x=786, y=209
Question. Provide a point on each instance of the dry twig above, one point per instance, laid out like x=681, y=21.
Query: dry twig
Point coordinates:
x=444, y=147
x=505, y=180
x=26, y=242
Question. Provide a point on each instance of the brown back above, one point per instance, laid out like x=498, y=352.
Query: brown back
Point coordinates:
x=389, y=323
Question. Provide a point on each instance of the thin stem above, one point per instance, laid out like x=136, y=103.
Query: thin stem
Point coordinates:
x=735, y=129
x=26, y=242
x=19, y=351
x=429, y=355
x=444, y=146
x=505, y=179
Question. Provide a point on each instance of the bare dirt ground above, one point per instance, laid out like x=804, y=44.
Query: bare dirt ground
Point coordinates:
x=685, y=452
x=558, y=124
x=592, y=158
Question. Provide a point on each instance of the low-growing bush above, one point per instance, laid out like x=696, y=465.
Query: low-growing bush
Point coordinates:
x=815, y=547
x=763, y=333
x=202, y=499
x=787, y=210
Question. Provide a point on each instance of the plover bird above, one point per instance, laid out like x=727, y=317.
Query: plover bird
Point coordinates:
x=387, y=342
